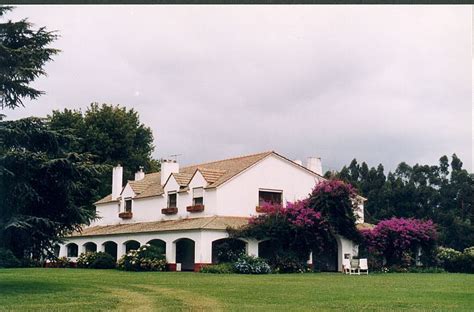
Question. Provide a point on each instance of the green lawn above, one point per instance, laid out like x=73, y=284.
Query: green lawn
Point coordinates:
x=87, y=290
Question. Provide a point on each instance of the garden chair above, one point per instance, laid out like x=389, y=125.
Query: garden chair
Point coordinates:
x=346, y=266
x=363, y=266
x=354, y=268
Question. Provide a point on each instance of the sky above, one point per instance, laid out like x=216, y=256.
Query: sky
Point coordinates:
x=382, y=84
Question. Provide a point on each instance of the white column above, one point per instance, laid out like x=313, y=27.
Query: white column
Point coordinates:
x=203, y=251
x=121, y=249
x=62, y=251
x=170, y=251
x=252, y=247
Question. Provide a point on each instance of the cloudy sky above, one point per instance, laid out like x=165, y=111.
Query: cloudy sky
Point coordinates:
x=378, y=83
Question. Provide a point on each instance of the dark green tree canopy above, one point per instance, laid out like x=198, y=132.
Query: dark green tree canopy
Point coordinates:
x=443, y=193
x=47, y=189
x=113, y=134
x=23, y=53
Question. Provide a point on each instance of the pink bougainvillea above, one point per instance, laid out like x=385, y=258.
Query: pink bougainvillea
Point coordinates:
x=397, y=237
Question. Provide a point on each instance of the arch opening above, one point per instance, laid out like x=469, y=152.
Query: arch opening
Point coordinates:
x=227, y=249
x=158, y=243
x=72, y=250
x=326, y=259
x=90, y=247
x=185, y=254
x=111, y=248
x=131, y=245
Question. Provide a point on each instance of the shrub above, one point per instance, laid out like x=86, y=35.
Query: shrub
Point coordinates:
x=62, y=262
x=288, y=263
x=145, y=258
x=221, y=268
x=96, y=260
x=8, y=259
x=251, y=265
x=397, y=241
x=455, y=261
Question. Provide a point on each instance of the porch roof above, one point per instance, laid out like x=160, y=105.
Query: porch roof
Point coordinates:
x=208, y=223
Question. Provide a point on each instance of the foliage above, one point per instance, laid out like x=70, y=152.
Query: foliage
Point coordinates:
x=47, y=189
x=8, y=259
x=336, y=201
x=397, y=240
x=288, y=262
x=113, y=134
x=62, y=262
x=221, y=268
x=145, y=258
x=96, y=260
x=246, y=264
x=304, y=226
x=229, y=250
x=23, y=53
x=443, y=193
x=455, y=261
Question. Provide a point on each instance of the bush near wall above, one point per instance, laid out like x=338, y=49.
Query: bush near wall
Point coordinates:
x=455, y=261
x=246, y=264
x=394, y=243
x=8, y=259
x=96, y=260
x=145, y=258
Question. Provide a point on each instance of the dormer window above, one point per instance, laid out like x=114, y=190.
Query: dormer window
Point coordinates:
x=172, y=199
x=270, y=196
x=128, y=205
x=198, y=196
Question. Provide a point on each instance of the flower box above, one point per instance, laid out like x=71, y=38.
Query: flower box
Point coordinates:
x=169, y=211
x=259, y=209
x=195, y=208
x=126, y=215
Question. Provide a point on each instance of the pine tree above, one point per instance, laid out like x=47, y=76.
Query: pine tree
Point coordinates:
x=23, y=54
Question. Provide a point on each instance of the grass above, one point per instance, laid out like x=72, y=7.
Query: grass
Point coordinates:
x=103, y=290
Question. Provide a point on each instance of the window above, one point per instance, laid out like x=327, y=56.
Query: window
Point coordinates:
x=128, y=205
x=172, y=198
x=273, y=197
x=72, y=250
x=198, y=196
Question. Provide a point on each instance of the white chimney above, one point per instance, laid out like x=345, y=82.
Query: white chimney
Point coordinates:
x=298, y=161
x=314, y=164
x=167, y=168
x=117, y=176
x=139, y=175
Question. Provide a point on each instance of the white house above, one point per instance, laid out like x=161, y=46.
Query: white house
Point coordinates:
x=187, y=210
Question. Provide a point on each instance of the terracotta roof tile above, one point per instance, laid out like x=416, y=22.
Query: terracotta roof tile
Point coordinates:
x=215, y=173
x=210, y=223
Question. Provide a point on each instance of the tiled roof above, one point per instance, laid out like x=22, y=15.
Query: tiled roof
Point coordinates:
x=182, y=178
x=215, y=173
x=223, y=170
x=209, y=223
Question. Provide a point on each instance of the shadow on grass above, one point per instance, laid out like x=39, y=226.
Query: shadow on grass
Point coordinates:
x=31, y=287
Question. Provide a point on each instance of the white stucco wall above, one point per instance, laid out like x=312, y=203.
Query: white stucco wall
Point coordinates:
x=239, y=196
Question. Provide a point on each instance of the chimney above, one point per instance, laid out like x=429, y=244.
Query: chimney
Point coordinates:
x=167, y=168
x=298, y=161
x=117, y=176
x=139, y=175
x=314, y=164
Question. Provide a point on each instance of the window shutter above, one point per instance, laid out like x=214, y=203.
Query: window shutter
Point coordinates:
x=198, y=192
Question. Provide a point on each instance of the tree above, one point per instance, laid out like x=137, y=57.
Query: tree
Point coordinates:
x=23, y=54
x=47, y=189
x=443, y=193
x=304, y=226
x=113, y=134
